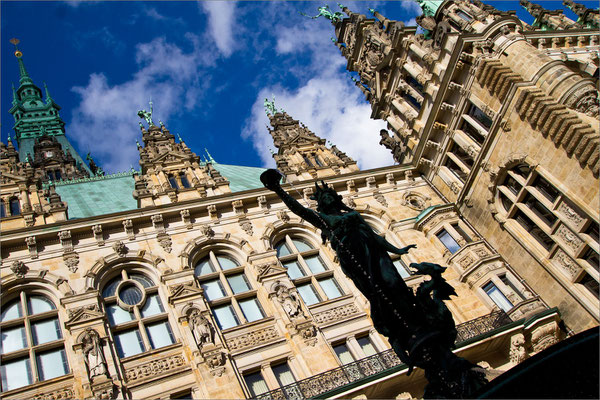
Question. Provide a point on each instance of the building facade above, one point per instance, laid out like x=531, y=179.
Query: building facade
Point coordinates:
x=188, y=279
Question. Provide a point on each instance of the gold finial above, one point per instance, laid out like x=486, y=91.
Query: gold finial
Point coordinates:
x=18, y=53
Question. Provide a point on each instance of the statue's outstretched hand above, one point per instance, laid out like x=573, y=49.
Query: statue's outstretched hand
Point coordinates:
x=270, y=178
x=405, y=250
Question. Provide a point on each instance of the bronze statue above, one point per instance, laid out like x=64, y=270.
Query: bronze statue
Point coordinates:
x=420, y=327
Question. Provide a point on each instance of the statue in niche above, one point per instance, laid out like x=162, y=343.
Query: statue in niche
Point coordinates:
x=420, y=327
x=92, y=351
x=289, y=301
x=201, y=328
x=391, y=144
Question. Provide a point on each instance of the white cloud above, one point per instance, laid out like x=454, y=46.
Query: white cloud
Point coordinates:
x=331, y=108
x=106, y=119
x=220, y=15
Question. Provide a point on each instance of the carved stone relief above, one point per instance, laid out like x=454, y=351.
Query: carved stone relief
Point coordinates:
x=19, y=269
x=336, y=314
x=253, y=339
x=518, y=352
x=154, y=368
x=415, y=200
x=120, y=248
x=201, y=328
x=93, y=354
x=71, y=260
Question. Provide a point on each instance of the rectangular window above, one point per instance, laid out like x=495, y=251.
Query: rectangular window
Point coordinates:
x=480, y=116
x=152, y=306
x=472, y=132
x=540, y=210
x=456, y=170
x=160, y=334
x=251, y=309
x=256, y=384
x=293, y=269
x=462, y=233
x=366, y=346
x=509, y=283
x=330, y=287
x=213, y=289
x=401, y=268
x=16, y=374
x=344, y=355
x=13, y=339
x=448, y=241
x=45, y=331
x=51, y=364
x=116, y=315
x=545, y=188
x=283, y=374
x=238, y=283
x=497, y=296
x=225, y=317
x=542, y=238
x=129, y=343
x=315, y=264
x=308, y=294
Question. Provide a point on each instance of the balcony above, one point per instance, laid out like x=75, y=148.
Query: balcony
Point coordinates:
x=347, y=374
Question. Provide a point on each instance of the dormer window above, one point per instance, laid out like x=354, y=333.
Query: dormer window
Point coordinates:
x=184, y=181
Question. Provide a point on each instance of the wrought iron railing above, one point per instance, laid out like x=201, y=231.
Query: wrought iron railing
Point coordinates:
x=332, y=379
x=353, y=372
x=481, y=325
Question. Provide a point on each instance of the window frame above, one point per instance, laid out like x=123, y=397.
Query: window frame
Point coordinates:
x=309, y=277
x=230, y=298
x=32, y=350
x=138, y=322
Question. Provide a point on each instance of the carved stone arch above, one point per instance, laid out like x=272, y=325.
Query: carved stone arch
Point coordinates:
x=274, y=232
x=150, y=264
x=57, y=286
x=45, y=284
x=498, y=174
x=378, y=214
x=240, y=249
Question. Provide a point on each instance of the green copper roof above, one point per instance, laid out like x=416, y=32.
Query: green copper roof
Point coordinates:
x=241, y=178
x=110, y=194
x=430, y=7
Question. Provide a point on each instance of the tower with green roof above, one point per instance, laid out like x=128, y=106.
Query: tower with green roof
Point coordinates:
x=38, y=120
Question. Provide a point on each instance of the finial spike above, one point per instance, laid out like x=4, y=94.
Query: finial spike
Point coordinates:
x=212, y=160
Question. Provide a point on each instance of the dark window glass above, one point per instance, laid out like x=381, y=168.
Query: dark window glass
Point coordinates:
x=316, y=158
x=540, y=210
x=307, y=160
x=448, y=241
x=462, y=233
x=522, y=170
x=592, y=257
x=15, y=208
x=592, y=230
x=173, y=182
x=184, y=181
x=50, y=175
x=412, y=101
x=545, y=188
x=509, y=283
x=58, y=175
x=506, y=203
x=590, y=284
x=480, y=116
x=533, y=230
x=472, y=132
x=462, y=155
x=464, y=15
x=452, y=166
x=512, y=184
x=2, y=210
x=414, y=83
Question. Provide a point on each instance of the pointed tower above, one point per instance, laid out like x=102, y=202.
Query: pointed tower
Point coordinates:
x=171, y=172
x=547, y=19
x=301, y=154
x=40, y=131
x=588, y=17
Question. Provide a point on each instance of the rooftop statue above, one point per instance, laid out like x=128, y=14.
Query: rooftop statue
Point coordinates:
x=419, y=326
x=270, y=108
x=147, y=115
x=327, y=13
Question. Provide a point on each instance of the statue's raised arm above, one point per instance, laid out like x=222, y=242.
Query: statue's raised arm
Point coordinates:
x=270, y=178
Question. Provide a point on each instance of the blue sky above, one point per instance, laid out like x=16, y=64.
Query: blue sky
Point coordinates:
x=207, y=66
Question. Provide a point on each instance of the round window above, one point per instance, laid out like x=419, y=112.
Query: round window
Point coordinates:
x=130, y=294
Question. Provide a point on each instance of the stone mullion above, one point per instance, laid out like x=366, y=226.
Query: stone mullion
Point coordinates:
x=354, y=348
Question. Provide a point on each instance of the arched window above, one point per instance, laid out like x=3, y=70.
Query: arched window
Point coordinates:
x=548, y=216
x=184, y=180
x=173, y=182
x=136, y=315
x=15, y=207
x=228, y=291
x=32, y=343
x=2, y=209
x=313, y=279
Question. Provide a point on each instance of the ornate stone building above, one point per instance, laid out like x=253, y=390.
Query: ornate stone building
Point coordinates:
x=188, y=279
